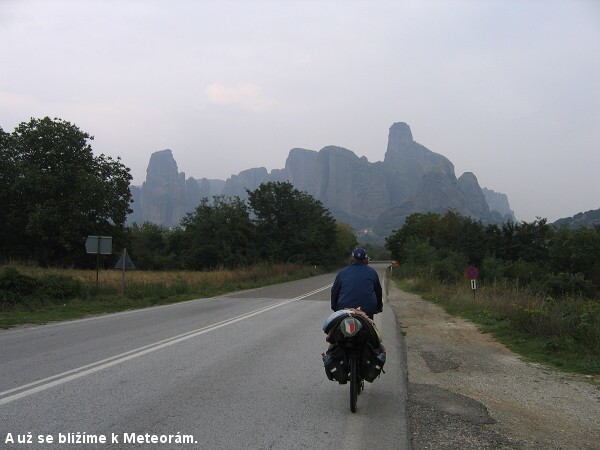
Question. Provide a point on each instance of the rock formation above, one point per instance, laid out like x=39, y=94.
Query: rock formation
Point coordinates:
x=167, y=196
x=589, y=219
x=250, y=179
x=373, y=197
x=163, y=199
x=498, y=204
x=406, y=163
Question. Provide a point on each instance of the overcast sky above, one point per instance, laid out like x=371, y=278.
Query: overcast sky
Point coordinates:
x=508, y=90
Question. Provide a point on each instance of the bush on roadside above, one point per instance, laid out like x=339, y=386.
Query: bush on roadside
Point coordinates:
x=451, y=267
x=57, y=288
x=492, y=269
x=14, y=286
x=17, y=288
x=567, y=284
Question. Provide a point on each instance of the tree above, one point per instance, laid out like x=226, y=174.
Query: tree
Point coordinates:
x=577, y=251
x=419, y=226
x=292, y=225
x=217, y=234
x=526, y=241
x=60, y=192
x=148, y=246
x=455, y=233
x=7, y=179
x=345, y=242
x=419, y=254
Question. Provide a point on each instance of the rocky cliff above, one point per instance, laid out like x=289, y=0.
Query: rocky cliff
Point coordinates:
x=589, y=219
x=374, y=197
x=498, y=204
x=407, y=162
x=166, y=196
x=163, y=198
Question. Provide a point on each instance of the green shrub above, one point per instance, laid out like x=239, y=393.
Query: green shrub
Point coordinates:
x=532, y=321
x=580, y=319
x=13, y=281
x=419, y=253
x=451, y=267
x=492, y=269
x=15, y=286
x=18, y=288
x=526, y=272
x=565, y=284
x=57, y=288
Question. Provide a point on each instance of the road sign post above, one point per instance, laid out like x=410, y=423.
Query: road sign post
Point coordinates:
x=98, y=245
x=472, y=273
x=474, y=286
x=124, y=263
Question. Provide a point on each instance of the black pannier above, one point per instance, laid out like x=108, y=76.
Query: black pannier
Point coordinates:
x=372, y=356
x=372, y=361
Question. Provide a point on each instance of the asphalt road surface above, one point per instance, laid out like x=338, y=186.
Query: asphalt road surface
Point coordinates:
x=241, y=371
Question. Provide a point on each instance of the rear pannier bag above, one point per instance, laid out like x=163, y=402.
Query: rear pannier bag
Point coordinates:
x=336, y=364
x=372, y=361
x=335, y=360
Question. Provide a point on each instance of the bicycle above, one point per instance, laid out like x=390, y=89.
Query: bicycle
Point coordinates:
x=351, y=357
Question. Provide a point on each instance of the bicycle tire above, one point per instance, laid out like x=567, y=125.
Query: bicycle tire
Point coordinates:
x=354, y=383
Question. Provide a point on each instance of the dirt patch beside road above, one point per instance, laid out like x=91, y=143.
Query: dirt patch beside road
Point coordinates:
x=467, y=391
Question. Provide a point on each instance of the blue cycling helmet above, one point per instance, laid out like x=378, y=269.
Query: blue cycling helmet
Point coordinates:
x=359, y=254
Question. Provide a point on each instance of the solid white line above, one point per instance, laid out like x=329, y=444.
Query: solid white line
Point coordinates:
x=70, y=375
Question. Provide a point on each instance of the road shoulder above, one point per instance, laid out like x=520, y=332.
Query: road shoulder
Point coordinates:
x=467, y=391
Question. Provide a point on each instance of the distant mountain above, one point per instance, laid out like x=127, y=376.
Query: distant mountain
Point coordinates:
x=374, y=198
x=166, y=195
x=588, y=219
x=498, y=203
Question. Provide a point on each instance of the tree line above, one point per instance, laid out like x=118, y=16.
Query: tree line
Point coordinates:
x=279, y=224
x=555, y=262
x=55, y=192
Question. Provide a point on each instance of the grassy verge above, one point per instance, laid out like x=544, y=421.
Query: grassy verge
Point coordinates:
x=562, y=333
x=32, y=295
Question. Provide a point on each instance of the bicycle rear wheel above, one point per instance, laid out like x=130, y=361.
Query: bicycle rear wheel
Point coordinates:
x=354, y=382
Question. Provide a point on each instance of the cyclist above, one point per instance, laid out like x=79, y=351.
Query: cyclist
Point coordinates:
x=357, y=286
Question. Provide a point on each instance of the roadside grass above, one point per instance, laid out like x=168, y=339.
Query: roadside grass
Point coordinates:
x=34, y=295
x=563, y=333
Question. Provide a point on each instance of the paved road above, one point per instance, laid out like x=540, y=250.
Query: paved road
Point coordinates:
x=241, y=371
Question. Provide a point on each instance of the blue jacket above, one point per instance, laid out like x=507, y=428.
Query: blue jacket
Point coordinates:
x=357, y=285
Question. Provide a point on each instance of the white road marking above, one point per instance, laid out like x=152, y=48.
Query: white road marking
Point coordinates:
x=70, y=375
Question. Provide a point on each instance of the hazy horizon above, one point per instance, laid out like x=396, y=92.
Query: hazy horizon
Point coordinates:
x=508, y=90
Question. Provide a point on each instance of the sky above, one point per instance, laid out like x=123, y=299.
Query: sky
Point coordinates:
x=508, y=89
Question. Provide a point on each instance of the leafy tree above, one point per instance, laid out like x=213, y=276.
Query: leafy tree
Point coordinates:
x=419, y=254
x=292, y=225
x=525, y=241
x=455, y=233
x=60, y=192
x=148, y=246
x=217, y=234
x=451, y=266
x=493, y=240
x=577, y=252
x=492, y=269
x=420, y=226
x=345, y=241
x=7, y=179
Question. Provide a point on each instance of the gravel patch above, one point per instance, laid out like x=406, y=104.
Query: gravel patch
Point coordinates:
x=467, y=391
